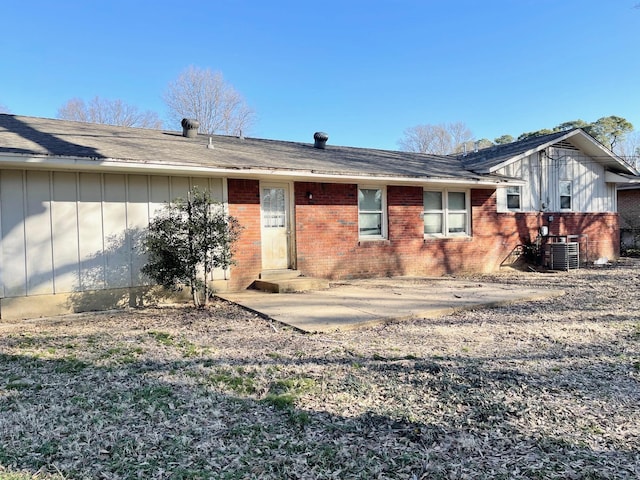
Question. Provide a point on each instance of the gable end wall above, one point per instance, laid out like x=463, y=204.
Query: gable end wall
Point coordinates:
x=543, y=174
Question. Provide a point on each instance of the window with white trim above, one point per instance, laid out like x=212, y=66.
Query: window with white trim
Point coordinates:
x=371, y=212
x=565, y=194
x=513, y=198
x=446, y=212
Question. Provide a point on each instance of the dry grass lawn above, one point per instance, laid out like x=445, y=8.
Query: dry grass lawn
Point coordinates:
x=545, y=389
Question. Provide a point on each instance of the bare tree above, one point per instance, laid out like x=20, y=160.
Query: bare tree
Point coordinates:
x=205, y=96
x=460, y=134
x=109, y=112
x=629, y=148
x=440, y=139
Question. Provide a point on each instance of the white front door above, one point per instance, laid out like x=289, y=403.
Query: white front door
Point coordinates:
x=274, y=205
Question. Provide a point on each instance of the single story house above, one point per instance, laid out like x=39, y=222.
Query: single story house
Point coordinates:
x=75, y=199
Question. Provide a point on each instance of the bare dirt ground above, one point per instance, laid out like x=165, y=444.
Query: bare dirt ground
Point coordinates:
x=547, y=389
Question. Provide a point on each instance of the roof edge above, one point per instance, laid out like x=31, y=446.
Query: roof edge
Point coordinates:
x=110, y=165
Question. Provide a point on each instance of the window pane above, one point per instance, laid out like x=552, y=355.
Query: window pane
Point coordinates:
x=433, y=200
x=565, y=202
x=565, y=188
x=457, y=222
x=513, y=190
x=370, y=224
x=273, y=207
x=370, y=199
x=513, y=201
x=432, y=223
x=457, y=201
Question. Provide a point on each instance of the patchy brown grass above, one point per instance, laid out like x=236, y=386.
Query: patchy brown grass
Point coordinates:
x=537, y=390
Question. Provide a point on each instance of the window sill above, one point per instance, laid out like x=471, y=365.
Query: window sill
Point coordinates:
x=366, y=242
x=461, y=236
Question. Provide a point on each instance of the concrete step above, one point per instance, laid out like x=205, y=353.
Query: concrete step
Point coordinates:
x=280, y=274
x=290, y=285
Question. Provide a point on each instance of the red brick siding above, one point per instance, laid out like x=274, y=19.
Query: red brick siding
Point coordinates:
x=601, y=229
x=326, y=227
x=244, y=204
x=629, y=208
x=327, y=243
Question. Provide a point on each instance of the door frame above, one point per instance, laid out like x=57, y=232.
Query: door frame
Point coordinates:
x=290, y=218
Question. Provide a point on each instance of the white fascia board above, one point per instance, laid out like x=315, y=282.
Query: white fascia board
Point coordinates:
x=611, y=177
x=108, y=165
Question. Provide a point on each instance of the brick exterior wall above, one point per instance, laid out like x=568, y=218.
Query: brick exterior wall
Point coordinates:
x=629, y=209
x=244, y=204
x=327, y=243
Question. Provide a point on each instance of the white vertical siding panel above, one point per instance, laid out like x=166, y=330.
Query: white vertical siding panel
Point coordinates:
x=39, y=253
x=65, y=232
x=159, y=194
x=13, y=249
x=501, y=192
x=553, y=185
x=64, y=216
x=201, y=184
x=520, y=172
x=591, y=194
x=596, y=199
x=579, y=177
x=179, y=187
x=217, y=195
x=116, y=245
x=612, y=198
x=90, y=234
x=137, y=222
x=527, y=189
x=607, y=201
x=597, y=196
x=216, y=189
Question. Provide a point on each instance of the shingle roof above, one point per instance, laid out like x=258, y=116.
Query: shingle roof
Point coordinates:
x=40, y=136
x=486, y=158
x=490, y=159
x=48, y=138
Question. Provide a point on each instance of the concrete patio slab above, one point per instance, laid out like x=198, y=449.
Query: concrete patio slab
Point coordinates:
x=358, y=303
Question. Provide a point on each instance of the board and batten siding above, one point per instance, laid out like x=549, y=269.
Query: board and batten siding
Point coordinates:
x=64, y=232
x=543, y=174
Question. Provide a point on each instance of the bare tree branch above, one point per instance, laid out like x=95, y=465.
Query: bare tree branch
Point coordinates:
x=440, y=139
x=109, y=112
x=205, y=96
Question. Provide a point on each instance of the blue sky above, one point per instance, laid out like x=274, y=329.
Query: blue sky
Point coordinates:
x=362, y=71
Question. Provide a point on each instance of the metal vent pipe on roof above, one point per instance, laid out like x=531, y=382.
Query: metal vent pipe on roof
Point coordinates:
x=320, y=140
x=190, y=127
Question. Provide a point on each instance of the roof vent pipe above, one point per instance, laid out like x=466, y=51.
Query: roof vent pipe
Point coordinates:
x=320, y=140
x=190, y=127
